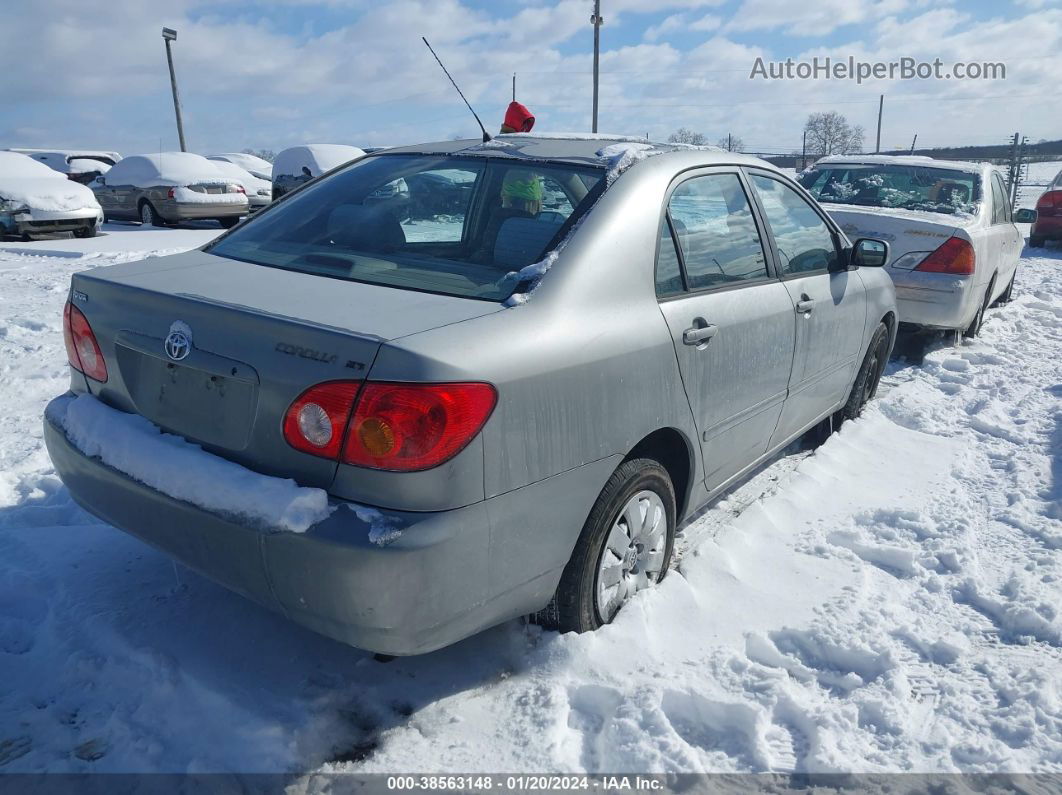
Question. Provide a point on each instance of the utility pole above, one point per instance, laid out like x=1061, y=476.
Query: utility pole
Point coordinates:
x=913, y=142
x=597, y=21
x=881, y=106
x=514, y=86
x=804, y=152
x=729, y=142
x=169, y=34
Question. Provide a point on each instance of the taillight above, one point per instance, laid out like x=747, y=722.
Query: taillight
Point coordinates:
x=1050, y=203
x=82, y=350
x=408, y=427
x=169, y=193
x=955, y=256
x=395, y=426
x=315, y=422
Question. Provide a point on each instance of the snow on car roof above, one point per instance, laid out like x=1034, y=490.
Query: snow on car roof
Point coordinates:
x=610, y=151
x=318, y=158
x=16, y=164
x=165, y=168
x=904, y=160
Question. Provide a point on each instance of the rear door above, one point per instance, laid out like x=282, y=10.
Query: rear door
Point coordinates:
x=1008, y=239
x=829, y=302
x=731, y=320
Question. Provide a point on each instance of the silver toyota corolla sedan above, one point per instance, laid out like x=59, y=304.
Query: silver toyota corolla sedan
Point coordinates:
x=507, y=399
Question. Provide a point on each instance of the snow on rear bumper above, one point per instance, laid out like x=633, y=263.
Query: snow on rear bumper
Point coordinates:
x=934, y=300
x=41, y=221
x=418, y=592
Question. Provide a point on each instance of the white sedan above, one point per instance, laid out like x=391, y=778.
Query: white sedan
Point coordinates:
x=953, y=244
x=35, y=200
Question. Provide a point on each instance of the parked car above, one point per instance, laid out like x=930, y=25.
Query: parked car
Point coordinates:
x=509, y=417
x=259, y=191
x=299, y=164
x=80, y=165
x=252, y=164
x=168, y=188
x=954, y=245
x=1048, y=221
x=36, y=200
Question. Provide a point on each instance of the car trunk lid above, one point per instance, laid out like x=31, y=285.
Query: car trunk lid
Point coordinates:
x=257, y=338
x=904, y=230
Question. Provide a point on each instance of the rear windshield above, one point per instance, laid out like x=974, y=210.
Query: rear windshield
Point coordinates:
x=457, y=226
x=937, y=190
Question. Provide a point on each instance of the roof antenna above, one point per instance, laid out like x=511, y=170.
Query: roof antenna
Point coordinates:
x=486, y=135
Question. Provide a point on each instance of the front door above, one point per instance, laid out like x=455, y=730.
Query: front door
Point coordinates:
x=731, y=321
x=829, y=304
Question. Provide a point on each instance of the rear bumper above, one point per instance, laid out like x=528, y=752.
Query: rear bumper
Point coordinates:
x=934, y=300
x=1047, y=226
x=446, y=575
x=182, y=211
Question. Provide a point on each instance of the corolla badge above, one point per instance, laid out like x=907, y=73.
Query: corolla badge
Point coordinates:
x=179, y=341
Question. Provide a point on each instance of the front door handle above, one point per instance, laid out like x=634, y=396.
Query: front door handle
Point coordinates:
x=805, y=305
x=700, y=332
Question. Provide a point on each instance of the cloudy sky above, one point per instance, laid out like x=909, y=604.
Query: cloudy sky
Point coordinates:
x=268, y=74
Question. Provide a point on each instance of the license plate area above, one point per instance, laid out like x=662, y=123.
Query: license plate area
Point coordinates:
x=197, y=404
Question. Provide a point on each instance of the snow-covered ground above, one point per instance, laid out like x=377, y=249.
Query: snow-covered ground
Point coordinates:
x=889, y=602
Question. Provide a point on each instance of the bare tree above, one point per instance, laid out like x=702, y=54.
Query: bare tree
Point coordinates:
x=830, y=133
x=731, y=143
x=684, y=135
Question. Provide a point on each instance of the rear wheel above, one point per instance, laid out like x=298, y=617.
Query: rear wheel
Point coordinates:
x=975, y=325
x=148, y=216
x=228, y=223
x=85, y=231
x=866, y=382
x=625, y=546
x=1036, y=241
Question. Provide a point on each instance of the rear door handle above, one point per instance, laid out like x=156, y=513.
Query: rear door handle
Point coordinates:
x=700, y=332
x=805, y=305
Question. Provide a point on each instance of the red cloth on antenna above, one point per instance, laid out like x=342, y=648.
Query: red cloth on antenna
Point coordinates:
x=517, y=119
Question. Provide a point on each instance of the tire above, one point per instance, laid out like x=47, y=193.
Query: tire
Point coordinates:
x=1036, y=241
x=85, y=231
x=866, y=381
x=1008, y=295
x=148, y=215
x=577, y=605
x=228, y=223
x=974, y=328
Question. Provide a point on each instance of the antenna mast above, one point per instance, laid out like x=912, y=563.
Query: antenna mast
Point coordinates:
x=486, y=135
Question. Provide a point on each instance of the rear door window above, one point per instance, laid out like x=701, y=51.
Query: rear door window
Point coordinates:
x=1000, y=205
x=716, y=232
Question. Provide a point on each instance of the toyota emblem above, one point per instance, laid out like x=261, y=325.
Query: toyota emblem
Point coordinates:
x=179, y=341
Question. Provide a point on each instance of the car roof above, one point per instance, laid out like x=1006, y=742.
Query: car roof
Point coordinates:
x=903, y=160
x=575, y=148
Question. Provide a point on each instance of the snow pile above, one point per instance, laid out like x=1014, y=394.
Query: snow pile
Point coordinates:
x=184, y=471
x=28, y=183
x=184, y=195
x=316, y=158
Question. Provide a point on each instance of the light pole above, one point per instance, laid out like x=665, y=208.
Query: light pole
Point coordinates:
x=596, y=19
x=168, y=35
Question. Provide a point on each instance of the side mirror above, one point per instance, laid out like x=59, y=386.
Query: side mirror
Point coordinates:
x=101, y=181
x=869, y=253
x=1025, y=216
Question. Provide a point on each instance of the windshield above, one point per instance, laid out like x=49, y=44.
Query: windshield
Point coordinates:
x=937, y=190
x=457, y=226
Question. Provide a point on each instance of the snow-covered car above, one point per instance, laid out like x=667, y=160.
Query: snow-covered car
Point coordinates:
x=1048, y=223
x=80, y=165
x=170, y=187
x=259, y=191
x=300, y=164
x=953, y=242
x=35, y=199
x=253, y=164
x=399, y=440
